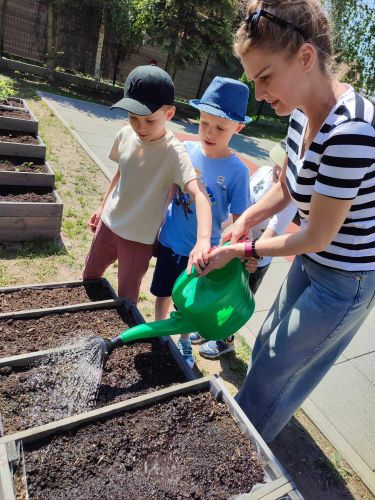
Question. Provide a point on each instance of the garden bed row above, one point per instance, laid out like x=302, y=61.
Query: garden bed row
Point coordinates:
x=30, y=209
x=148, y=432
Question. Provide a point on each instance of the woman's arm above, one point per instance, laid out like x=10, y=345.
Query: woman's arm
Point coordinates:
x=326, y=217
x=271, y=203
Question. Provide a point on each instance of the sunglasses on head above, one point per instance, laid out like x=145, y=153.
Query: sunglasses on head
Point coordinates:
x=252, y=22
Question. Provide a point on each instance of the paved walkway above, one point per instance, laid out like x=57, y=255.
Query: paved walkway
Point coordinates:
x=343, y=405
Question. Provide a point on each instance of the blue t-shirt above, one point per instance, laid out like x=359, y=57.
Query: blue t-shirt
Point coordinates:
x=227, y=183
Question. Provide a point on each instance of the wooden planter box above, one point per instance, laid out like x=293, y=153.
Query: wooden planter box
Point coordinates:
x=16, y=123
x=24, y=221
x=20, y=149
x=132, y=370
x=14, y=102
x=37, y=292
x=26, y=357
x=278, y=484
x=32, y=179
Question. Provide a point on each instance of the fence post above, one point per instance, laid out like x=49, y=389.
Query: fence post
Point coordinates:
x=2, y=25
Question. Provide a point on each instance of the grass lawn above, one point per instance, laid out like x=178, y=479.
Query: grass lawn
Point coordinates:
x=319, y=471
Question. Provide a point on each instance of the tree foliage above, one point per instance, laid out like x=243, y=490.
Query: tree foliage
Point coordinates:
x=354, y=26
x=189, y=31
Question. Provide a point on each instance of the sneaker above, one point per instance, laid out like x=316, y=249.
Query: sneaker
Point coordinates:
x=195, y=338
x=184, y=346
x=215, y=348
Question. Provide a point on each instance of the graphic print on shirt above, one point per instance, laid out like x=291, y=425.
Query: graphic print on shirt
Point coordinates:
x=183, y=199
x=221, y=182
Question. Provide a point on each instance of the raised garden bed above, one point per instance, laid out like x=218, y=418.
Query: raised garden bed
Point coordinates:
x=21, y=298
x=29, y=213
x=189, y=441
x=20, y=171
x=18, y=119
x=13, y=102
x=14, y=143
x=26, y=381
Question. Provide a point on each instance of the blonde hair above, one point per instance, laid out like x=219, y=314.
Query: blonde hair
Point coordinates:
x=307, y=15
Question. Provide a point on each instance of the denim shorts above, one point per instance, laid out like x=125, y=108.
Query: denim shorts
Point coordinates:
x=169, y=266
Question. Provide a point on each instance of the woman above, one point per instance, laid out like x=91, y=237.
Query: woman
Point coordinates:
x=285, y=47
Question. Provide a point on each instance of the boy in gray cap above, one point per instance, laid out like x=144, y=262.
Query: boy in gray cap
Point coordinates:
x=150, y=160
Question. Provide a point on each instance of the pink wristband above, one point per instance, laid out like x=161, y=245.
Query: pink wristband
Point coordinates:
x=248, y=249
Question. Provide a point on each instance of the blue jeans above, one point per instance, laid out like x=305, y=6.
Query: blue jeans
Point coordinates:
x=316, y=314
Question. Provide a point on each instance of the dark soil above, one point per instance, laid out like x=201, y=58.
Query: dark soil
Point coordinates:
x=26, y=194
x=21, y=164
x=18, y=336
x=12, y=102
x=31, y=298
x=140, y=368
x=19, y=137
x=186, y=447
x=16, y=113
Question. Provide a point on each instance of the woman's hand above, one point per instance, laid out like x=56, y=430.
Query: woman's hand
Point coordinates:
x=199, y=256
x=240, y=229
x=95, y=219
x=219, y=257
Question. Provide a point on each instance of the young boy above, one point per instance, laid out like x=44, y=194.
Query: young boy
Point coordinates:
x=260, y=183
x=150, y=161
x=222, y=114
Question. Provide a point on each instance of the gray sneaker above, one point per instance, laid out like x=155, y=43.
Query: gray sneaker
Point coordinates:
x=184, y=346
x=195, y=338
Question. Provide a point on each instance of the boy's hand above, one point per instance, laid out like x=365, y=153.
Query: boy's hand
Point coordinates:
x=251, y=265
x=199, y=256
x=95, y=219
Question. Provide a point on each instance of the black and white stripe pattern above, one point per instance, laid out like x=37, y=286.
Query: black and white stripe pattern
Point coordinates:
x=340, y=163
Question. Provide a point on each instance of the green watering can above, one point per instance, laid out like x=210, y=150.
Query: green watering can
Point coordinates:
x=216, y=305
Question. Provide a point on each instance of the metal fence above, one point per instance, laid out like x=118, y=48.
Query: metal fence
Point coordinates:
x=24, y=35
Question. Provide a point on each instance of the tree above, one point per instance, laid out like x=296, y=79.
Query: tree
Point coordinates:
x=354, y=27
x=190, y=31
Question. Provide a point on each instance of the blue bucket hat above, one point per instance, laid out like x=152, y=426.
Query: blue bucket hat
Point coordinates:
x=225, y=97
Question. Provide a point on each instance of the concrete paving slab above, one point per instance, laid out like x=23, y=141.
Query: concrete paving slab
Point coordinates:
x=362, y=343
x=350, y=411
x=269, y=288
x=366, y=365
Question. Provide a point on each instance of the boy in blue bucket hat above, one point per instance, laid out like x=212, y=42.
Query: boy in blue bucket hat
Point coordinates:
x=222, y=114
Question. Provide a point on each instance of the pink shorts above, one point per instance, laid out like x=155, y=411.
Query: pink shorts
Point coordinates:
x=133, y=260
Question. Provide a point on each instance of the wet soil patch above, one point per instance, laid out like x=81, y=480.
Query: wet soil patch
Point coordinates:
x=18, y=336
x=31, y=298
x=19, y=137
x=185, y=447
x=16, y=113
x=139, y=368
x=21, y=164
x=26, y=194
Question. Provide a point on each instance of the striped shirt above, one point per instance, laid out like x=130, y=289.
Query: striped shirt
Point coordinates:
x=340, y=163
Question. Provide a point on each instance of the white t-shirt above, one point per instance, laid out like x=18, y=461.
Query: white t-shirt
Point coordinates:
x=260, y=183
x=135, y=208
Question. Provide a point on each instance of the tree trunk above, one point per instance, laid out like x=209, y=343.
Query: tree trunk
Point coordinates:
x=51, y=42
x=199, y=91
x=99, y=50
x=2, y=25
x=117, y=63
